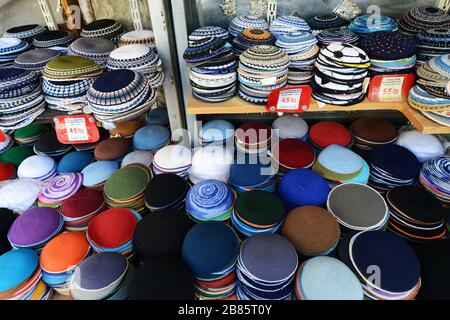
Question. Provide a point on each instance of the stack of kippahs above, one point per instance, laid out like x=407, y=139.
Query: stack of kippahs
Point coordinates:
x=209, y=31
x=10, y=49
x=241, y=23
x=96, y=49
x=326, y=21
x=103, y=28
x=26, y=32
x=288, y=24
x=390, y=52
x=21, y=99
x=213, y=69
x=66, y=81
x=252, y=37
x=325, y=37
x=366, y=24
x=54, y=39
x=138, y=37
x=340, y=72
x=423, y=18
x=35, y=60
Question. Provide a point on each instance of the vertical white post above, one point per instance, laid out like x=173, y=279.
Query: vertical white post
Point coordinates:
x=136, y=14
x=48, y=15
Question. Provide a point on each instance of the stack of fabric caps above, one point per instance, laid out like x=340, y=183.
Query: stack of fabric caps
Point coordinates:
x=162, y=278
x=302, y=50
x=16, y=155
x=366, y=24
x=293, y=154
x=10, y=49
x=344, y=35
x=252, y=37
x=390, y=52
x=372, y=132
x=326, y=133
x=6, y=220
x=49, y=145
x=337, y=165
x=78, y=210
x=290, y=126
x=137, y=57
x=208, y=31
x=151, y=138
x=326, y=21
x=125, y=188
x=60, y=257
x=103, y=28
x=25, y=32
x=37, y=167
x=217, y=132
x=21, y=276
x=67, y=80
x=432, y=43
x=160, y=234
x=241, y=23
x=28, y=135
x=326, y=278
x=313, y=231
x=120, y=95
x=95, y=49
x=339, y=75
x=256, y=212
x=7, y=144
x=253, y=137
x=173, y=159
x=399, y=267
x=211, y=162
x=59, y=189
x=247, y=175
x=434, y=177
x=21, y=100
x=358, y=207
x=35, y=60
x=146, y=37
x=100, y=277
x=415, y=214
x=423, y=18
x=166, y=191
x=424, y=146
x=392, y=166
x=262, y=69
x=112, y=149
x=213, y=69
x=112, y=231
x=302, y=187
x=430, y=94
x=214, y=269
x=433, y=268
x=143, y=157
x=54, y=39
x=288, y=24
x=7, y=171
x=34, y=228
x=266, y=268
x=96, y=174
x=210, y=200
x=74, y=161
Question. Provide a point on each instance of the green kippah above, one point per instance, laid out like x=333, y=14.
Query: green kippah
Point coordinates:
x=16, y=155
x=330, y=175
x=260, y=208
x=127, y=183
x=70, y=63
x=29, y=131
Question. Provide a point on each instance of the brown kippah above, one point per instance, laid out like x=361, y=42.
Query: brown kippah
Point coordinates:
x=375, y=130
x=127, y=129
x=112, y=149
x=311, y=230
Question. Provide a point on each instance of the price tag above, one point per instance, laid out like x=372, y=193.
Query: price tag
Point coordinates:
x=295, y=99
x=2, y=136
x=76, y=129
x=390, y=88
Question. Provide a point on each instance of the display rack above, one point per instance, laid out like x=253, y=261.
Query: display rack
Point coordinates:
x=239, y=106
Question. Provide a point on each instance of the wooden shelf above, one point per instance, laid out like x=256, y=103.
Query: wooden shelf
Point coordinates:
x=239, y=106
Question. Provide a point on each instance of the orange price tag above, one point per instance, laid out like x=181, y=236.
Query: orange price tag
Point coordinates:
x=77, y=129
